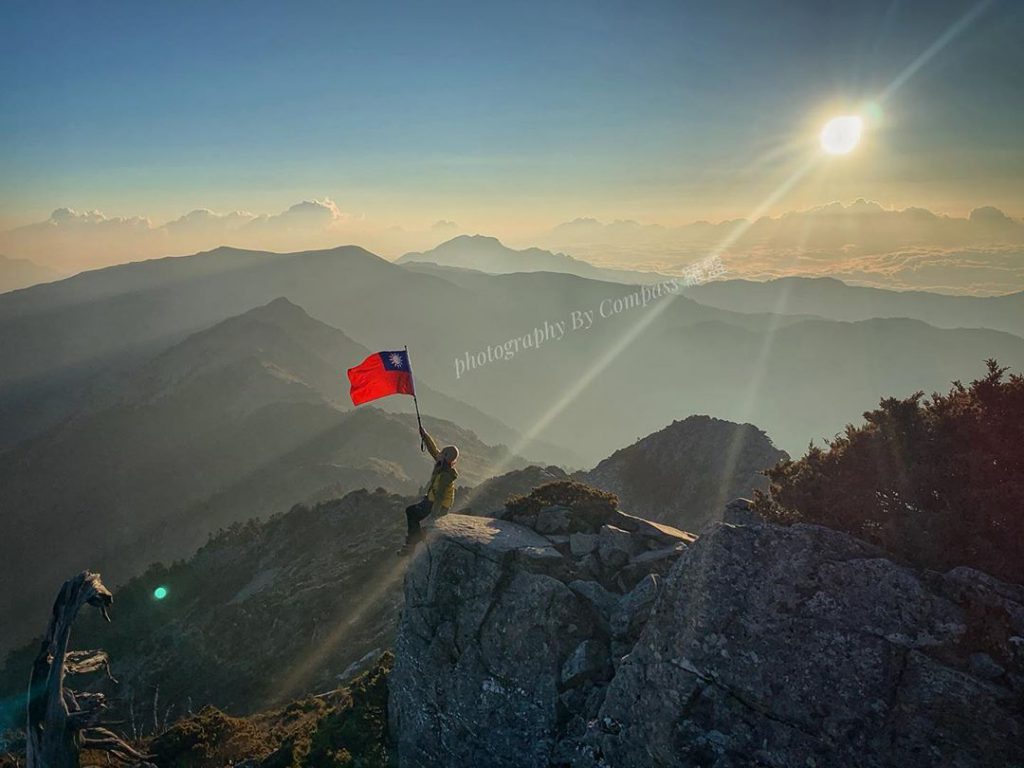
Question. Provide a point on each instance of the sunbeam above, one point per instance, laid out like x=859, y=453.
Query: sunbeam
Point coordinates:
x=297, y=677
x=956, y=29
x=650, y=315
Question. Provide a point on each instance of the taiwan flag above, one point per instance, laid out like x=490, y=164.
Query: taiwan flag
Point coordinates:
x=380, y=375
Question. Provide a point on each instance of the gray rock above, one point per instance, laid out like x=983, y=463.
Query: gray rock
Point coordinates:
x=547, y=560
x=599, y=598
x=657, y=561
x=984, y=666
x=788, y=647
x=553, y=520
x=615, y=546
x=590, y=661
x=740, y=512
x=656, y=535
x=480, y=649
x=582, y=543
x=808, y=646
x=633, y=608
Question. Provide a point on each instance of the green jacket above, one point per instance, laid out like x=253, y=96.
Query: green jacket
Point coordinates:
x=441, y=488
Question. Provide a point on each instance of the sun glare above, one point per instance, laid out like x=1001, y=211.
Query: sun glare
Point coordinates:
x=841, y=134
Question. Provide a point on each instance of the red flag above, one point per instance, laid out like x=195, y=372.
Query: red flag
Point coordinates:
x=380, y=375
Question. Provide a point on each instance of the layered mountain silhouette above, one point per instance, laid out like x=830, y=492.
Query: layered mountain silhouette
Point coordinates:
x=22, y=273
x=488, y=254
x=830, y=298
x=238, y=421
x=607, y=381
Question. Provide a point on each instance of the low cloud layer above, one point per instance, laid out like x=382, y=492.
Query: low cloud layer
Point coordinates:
x=71, y=240
x=861, y=242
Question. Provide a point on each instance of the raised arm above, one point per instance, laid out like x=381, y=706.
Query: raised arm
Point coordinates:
x=429, y=442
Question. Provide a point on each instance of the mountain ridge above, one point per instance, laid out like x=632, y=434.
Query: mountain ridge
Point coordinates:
x=488, y=254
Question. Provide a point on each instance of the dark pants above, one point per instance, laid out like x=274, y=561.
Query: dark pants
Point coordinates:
x=418, y=511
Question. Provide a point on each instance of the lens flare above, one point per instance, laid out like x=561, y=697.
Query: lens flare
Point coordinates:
x=841, y=134
x=160, y=593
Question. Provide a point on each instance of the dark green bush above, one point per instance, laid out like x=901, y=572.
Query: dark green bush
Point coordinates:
x=937, y=482
x=586, y=502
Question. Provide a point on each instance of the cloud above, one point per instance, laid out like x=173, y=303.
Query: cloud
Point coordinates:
x=862, y=242
x=309, y=214
x=73, y=241
x=204, y=221
x=866, y=226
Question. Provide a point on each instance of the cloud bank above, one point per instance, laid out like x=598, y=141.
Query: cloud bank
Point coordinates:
x=73, y=241
x=861, y=242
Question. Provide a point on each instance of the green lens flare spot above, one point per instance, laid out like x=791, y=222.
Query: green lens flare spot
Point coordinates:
x=160, y=593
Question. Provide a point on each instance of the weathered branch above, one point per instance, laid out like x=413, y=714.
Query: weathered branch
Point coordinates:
x=61, y=722
x=84, y=662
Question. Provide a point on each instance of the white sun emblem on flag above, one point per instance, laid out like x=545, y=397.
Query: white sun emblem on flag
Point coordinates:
x=396, y=359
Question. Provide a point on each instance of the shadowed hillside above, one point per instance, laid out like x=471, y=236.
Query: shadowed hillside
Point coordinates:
x=262, y=613
x=235, y=422
x=63, y=340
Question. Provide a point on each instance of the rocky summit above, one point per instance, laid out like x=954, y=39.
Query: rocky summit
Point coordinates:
x=576, y=635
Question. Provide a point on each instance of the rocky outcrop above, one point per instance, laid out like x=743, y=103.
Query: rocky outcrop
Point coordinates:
x=510, y=636
x=684, y=474
x=613, y=643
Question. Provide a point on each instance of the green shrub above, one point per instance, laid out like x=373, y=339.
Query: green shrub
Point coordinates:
x=938, y=482
x=586, y=502
x=355, y=736
x=346, y=728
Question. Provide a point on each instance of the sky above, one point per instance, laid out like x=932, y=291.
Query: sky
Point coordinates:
x=503, y=118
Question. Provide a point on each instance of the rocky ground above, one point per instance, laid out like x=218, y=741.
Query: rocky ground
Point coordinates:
x=570, y=634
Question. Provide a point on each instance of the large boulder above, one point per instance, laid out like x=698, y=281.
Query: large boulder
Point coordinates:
x=481, y=647
x=505, y=643
x=755, y=645
x=804, y=647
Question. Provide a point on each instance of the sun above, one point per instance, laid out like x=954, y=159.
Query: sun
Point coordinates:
x=841, y=134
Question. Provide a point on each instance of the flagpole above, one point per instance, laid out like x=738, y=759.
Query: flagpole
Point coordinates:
x=415, y=402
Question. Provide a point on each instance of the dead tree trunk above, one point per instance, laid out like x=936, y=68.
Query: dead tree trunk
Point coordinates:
x=60, y=722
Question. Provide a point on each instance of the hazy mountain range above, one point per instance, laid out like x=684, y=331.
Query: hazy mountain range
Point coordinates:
x=862, y=242
x=147, y=404
x=238, y=421
x=488, y=254
x=62, y=342
x=833, y=299
x=21, y=273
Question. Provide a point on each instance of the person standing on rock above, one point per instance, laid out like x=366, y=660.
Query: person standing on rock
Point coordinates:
x=440, y=491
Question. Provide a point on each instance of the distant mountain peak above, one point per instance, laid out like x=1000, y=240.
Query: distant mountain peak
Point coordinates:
x=485, y=253
x=278, y=309
x=474, y=239
x=685, y=473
